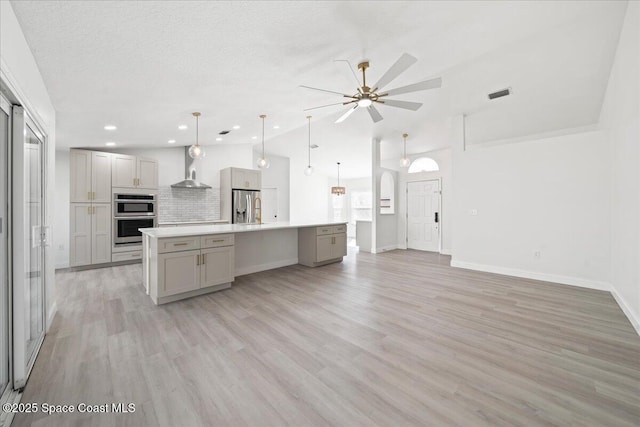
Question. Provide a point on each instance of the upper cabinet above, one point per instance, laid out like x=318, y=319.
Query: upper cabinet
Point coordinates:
x=90, y=176
x=134, y=172
x=246, y=179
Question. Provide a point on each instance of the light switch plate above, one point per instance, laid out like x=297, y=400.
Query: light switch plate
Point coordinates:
x=473, y=212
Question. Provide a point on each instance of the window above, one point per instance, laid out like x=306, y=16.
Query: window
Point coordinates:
x=423, y=164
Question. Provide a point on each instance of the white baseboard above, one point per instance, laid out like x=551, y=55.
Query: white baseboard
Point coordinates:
x=635, y=321
x=386, y=248
x=268, y=266
x=445, y=252
x=555, y=278
x=51, y=314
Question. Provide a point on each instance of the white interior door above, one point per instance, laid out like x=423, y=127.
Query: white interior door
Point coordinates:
x=423, y=215
x=269, y=204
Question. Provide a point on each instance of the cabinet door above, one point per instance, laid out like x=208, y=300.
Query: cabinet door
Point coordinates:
x=147, y=173
x=123, y=171
x=217, y=266
x=101, y=177
x=80, y=176
x=80, y=234
x=238, y=179
x=100, y=233
x=324, y=245
x=339, y=247
x=178, y=272
x=253, y=178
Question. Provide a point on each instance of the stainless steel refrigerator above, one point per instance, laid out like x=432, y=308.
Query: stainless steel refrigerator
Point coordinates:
x=244, y=206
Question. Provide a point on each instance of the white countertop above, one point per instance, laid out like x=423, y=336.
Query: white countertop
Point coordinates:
x=212, y=221
x=197, y=230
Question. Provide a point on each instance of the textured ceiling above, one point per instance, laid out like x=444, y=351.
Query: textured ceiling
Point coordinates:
x=146, y=65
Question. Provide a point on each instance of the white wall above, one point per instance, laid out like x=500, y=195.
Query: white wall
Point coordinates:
x=548, y=195
x=443, y=158
x=309, y=197
x=620, y=120
x=18, y=69
x=61, y=215
x=277, y=176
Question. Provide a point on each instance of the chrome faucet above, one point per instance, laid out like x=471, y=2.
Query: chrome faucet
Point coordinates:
x=258, y=208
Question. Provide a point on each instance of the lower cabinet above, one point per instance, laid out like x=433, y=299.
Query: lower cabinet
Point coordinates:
x=90, y=234
x=322, y=245
x=193, y=265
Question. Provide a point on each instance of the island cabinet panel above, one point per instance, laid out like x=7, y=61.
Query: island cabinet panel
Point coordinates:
x=217, y=266
x=178, y=272
x=322, y=245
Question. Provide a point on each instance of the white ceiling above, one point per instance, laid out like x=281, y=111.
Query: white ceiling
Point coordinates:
x=145, y=66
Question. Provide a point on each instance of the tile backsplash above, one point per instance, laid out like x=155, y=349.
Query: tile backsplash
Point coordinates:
x=188, y=204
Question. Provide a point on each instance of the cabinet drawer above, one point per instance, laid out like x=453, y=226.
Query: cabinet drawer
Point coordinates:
x=126, y=256
x=216, y=240
x=340, y=228
x=175, y=244
x=320, y=231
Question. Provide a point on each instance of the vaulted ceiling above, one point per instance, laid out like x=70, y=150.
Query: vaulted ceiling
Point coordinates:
x=145, y=66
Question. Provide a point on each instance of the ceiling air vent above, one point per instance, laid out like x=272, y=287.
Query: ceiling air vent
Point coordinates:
x=500, y=93
x=224, y=132
x=314, y=145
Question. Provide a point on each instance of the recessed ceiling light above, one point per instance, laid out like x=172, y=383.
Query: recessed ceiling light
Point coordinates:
x=276, y=127
x=109, y=144
x=254, y=137
x=218, y=139
x=171, y=141
x=236, y=126
x=182, y=127
x=110, y=127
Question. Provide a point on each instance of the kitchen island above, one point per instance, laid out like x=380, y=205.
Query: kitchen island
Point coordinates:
x=185, y=261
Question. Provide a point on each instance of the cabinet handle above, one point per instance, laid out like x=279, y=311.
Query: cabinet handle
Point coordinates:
x=202, y=259
x=89, y=210
x=197, y=259
x=134, y=182
x=93, y=195
x=94, y=210
x=88, y=195
x=180, y=244
x=217, y=241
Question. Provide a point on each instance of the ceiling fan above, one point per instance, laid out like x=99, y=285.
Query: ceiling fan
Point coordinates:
x=367, y=97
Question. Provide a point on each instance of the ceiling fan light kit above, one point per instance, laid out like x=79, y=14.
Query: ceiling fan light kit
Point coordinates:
x=196, y=151
x=367, y=97
x=263, y=162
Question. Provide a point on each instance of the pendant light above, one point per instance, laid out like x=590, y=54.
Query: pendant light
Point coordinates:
x=263, y=162
x=309, y=170
x=338, y=191
x=196, y=151
x=405, y=161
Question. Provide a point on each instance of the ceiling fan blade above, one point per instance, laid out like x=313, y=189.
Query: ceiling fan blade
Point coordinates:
x=347, y=114
x=416, y=87
x=401, y=65
x=402, y=104
x=374, y=113
x=322, y=106
x=324, y=90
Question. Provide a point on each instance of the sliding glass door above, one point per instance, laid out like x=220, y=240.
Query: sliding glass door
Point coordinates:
x=28, y=243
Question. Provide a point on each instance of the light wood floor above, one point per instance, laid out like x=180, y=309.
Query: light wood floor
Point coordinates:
x=393, y=339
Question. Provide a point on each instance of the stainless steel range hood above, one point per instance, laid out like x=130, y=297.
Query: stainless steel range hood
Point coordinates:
x=190, y=174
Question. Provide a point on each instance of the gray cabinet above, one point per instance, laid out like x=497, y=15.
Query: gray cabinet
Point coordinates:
x=322, y=245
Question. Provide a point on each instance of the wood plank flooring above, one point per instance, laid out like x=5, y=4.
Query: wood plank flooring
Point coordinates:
x=393, y=339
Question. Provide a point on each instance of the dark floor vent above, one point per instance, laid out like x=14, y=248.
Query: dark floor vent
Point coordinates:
x=224, y=132
x=500, y=93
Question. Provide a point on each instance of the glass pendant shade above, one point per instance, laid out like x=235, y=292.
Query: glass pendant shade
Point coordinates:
x=196, y=151
x=405, y=162
x=308, y=171
x=263, y=162
x=338, y=191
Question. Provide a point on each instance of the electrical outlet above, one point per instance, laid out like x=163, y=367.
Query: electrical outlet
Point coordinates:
x=473, y=212
x=536, y=254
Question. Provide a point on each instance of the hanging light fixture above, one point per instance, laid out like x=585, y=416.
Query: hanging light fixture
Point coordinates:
x=263, y=162
x=196, y=151
x=338, y=191
x=309, y=170
x=405, y=161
